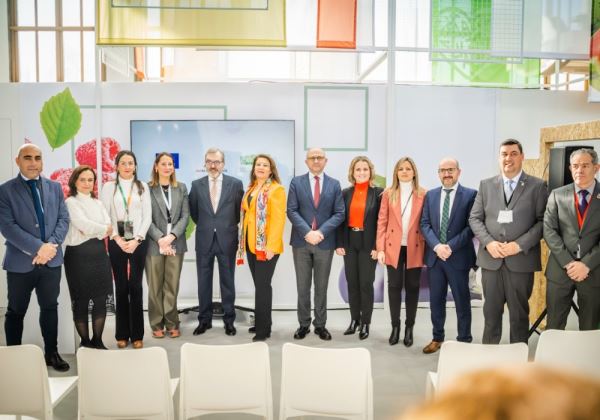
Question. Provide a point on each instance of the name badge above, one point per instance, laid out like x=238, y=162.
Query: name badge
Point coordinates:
x=505, y=216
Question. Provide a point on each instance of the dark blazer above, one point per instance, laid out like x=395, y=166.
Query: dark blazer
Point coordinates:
x=301, y=210
x=180, y=214
x=459, y=235
x=223, y=222
x=562, y=234
x=528, y=204
x=369, y=222
x=19, y=224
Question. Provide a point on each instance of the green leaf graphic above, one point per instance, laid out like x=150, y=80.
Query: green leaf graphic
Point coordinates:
x=189, y=230
x=60, y=118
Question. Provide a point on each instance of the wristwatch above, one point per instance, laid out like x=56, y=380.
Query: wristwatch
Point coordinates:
x=139, y=240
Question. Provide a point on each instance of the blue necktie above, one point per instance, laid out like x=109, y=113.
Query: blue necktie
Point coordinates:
x=508, y=189
x=37, y=203
x=583, y=201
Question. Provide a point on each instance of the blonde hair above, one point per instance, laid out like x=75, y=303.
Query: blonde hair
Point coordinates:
x=353, y=164
x=394, y=190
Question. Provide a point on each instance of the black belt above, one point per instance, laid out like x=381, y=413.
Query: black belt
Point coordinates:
x=355, y=229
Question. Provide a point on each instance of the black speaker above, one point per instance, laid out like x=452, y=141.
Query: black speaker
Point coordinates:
x=559, y=173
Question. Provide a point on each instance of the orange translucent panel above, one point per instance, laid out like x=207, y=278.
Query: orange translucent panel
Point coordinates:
x=336, y=24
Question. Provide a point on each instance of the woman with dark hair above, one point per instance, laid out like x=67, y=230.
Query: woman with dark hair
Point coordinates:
x=166, y=246
x=401, y=245
x=87, y=266
x=355, y=241
x=127, y=201
x=261, y=235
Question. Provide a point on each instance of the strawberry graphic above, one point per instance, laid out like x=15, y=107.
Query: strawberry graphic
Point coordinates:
x=86, y=154
x=62, y=176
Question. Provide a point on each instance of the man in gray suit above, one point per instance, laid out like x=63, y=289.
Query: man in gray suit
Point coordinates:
x=215, y=208
x=34, y=220
x=507, y=219
x=572, y=232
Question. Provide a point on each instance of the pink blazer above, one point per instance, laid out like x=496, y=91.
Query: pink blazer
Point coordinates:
x=389, y=231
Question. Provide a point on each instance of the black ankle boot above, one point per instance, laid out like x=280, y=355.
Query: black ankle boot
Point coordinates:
x=394, y=336
x=98, y=344
x=364, y=331
x=86, y=343
x=351, y=328
x=408, y=336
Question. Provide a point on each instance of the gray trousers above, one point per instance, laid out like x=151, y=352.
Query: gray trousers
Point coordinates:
x=162, y=273
x=558, y=302
x=312, y=262
x=504, y=286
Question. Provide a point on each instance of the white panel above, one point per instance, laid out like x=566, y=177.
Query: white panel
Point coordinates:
x=4, y=62
x=6, y=165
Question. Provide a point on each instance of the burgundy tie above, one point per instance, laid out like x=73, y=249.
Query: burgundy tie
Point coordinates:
x=316, y=198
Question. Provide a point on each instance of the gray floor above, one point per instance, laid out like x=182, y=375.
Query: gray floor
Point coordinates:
x=398, y=372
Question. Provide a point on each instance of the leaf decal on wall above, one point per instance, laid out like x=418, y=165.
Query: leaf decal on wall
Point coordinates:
x=60, y=118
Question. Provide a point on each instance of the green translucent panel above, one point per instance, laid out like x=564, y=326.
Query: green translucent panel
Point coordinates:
x=526, y=74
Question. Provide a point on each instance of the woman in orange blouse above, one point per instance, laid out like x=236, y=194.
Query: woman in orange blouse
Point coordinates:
x=400, y=244
x=261, y=236
x=355, y=240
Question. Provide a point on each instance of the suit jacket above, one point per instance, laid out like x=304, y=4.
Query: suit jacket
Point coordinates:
x=19, y=224
x=528, y=203
x=369, y=222
x=562, y=234
x=389, y=231
x=275, y=222
x=459, y=235
x=223, y=222
x=180, y=214
x=301, y=210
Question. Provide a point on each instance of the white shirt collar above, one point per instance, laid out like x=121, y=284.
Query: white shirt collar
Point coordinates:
x=515, y=179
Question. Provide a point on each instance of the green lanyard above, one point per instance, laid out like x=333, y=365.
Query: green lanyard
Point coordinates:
x=127, y=201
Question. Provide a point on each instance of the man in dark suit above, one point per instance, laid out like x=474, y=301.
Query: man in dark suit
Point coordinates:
x=572, y=232
x=507, y=219
x=450, y=253
x=316, y=208
x=34, y=220
x=215, y=208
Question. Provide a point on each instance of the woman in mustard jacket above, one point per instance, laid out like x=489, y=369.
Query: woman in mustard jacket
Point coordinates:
x=261, y=236
x=400, y=244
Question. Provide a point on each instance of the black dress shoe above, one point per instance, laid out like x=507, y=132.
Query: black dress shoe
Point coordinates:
x=252, y=329
x=202, y=327
x=301, y=332
x=229, y=328
x=364, y=331
x=351, y=328
x=57, y=362
x=98, y=344
x=259, y=337
x=394, y=336
x=408, y=336
x=323, y=333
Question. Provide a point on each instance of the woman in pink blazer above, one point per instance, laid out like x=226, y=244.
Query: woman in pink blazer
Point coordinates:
x=400, y=244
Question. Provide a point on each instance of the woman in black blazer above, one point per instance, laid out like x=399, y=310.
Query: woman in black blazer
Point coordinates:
x=355, y=241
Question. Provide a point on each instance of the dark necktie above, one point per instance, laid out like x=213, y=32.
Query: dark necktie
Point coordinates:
x=37, y=204
x=316, y=198
x=583, y=203
x=445, y=216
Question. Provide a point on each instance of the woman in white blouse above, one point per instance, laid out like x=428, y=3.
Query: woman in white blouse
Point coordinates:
x=87, y=266
x=127, y=201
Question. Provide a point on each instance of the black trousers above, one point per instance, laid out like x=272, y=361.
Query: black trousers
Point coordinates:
x=409, y=279
x=128, y=290
x=359, y=268
x=262, y=274
x=46, y=282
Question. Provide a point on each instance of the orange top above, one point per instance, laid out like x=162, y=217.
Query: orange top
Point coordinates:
x=356, y=217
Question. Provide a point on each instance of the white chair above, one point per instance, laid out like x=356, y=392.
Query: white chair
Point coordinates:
x=125, y=384
x=572, y=350
x=25, y=389
x=225, y=379
x=326, y=382
x=459, y=358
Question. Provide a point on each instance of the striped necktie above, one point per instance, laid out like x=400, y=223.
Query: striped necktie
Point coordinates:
x=445, y=217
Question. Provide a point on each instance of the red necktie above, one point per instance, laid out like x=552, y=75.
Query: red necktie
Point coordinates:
x=316, y=198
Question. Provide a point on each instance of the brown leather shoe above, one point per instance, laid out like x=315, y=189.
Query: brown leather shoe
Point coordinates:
x=138, y=344
x=122, y=343
x=432, y=347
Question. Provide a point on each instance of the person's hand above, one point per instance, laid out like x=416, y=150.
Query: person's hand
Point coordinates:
x=269, y=254
x=121, y=242
x=166, y=241
x=443, y=251
x=168, y=251
x=577, y=271
x=39, y=260
x=46, y=252
x=374, y=254
x=495, y=249
x=130, y=246
x=340, y=251
x=381, y=257
x=314, y=237
x=510, y=248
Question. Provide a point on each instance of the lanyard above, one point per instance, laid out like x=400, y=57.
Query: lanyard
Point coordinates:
x=126, y=202
x=167, y=200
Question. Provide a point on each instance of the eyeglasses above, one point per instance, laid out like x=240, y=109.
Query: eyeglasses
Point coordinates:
x=212, y=162
x=316, y=158
x=448, y=171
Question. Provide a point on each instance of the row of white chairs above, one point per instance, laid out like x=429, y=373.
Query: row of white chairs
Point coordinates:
x=128, y=384
x=576, y=351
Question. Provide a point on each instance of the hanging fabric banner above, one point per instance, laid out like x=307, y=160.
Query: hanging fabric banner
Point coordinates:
x=594, y=92
x=167, y=26
x=336, y=24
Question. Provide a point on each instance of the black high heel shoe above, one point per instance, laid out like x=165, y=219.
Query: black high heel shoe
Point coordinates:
x=351, y=328
x=394, y=336
x=364, y=331
x=408, y=336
